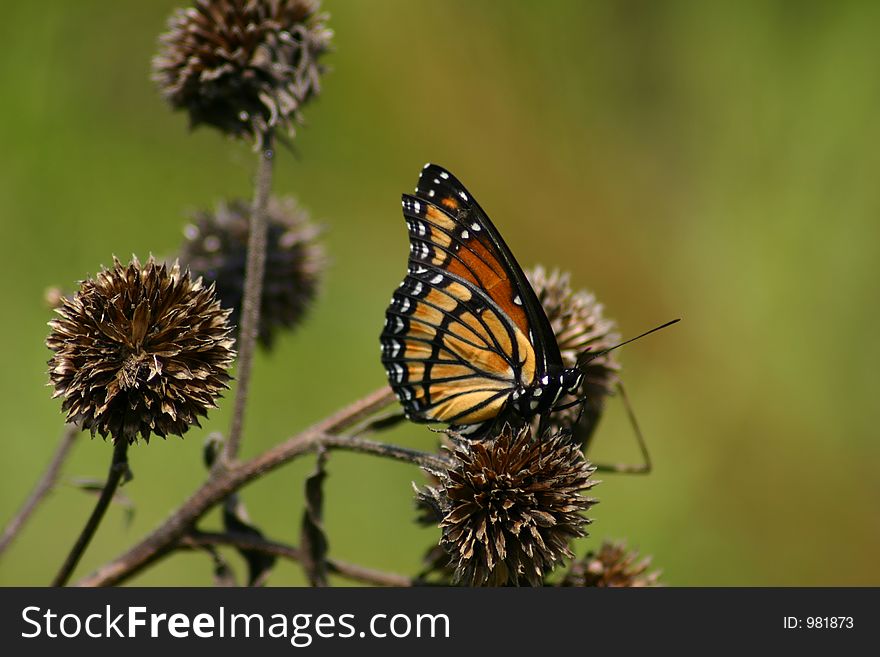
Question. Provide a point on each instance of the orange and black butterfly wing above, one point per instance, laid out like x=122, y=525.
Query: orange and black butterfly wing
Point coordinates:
x=449, y=354
x=460, y=332
x=496, y=270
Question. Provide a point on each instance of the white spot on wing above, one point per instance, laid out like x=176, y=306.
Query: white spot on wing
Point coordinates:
x=465, y=234
x=437, y=279
x=444, y=175
x=475, y=227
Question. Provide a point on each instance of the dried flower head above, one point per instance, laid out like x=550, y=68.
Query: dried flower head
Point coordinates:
x=437, y=568
x=510, y=505
x=139, y=350
x=216, y=249
x=243, y=66
x=613, y=565
x=578, y=322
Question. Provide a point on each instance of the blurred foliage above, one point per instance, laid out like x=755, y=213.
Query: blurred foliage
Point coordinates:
x=714, y=161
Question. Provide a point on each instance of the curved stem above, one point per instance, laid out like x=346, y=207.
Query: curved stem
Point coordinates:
x=248, y=542
x=44, y=485
x=225, y=482
x=253, y=294
x=118, y=467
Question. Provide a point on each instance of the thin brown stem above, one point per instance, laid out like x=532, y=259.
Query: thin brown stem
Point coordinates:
x=44, y=485
x=248, y=542
x=221, y=484
x=367, y=575
x=118, y=468
x=253, y=294
x=352, y=444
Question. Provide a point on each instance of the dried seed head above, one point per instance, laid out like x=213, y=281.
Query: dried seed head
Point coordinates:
x=613, y=565
x=139, y=350
x=578, y=322
x=216, y=249
x=243, y=66
x=510, y=505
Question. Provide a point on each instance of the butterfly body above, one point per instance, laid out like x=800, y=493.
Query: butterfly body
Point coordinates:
x=466, y=341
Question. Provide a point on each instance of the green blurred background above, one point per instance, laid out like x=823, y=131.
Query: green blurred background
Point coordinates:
x=714, y=161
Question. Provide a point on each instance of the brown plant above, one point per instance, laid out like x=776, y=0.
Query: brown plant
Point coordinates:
x=242, y=66
x=215, y=248
x=510, y=506
x=139, y=350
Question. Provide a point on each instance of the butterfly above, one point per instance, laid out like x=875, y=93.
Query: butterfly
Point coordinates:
x=466, y=342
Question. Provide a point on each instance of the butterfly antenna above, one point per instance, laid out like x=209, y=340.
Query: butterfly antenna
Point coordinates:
x=588, y=356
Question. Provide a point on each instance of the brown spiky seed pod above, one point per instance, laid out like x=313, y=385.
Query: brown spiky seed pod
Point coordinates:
x=510, y=506
x=243, y=66
x=579, y=324
x=139, y=350
x=437, y=567
x=216, y=249
x=612, y=566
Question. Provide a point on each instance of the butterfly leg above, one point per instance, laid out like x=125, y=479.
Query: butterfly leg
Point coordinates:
x=562, y=407
x=645, y=466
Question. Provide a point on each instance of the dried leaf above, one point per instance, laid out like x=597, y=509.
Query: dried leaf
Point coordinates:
x=212, y=448
x=94, y=487
x=236, y=520
x=313, y=540
x=224, y=576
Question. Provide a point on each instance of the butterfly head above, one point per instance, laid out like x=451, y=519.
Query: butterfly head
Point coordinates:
x=540, y=397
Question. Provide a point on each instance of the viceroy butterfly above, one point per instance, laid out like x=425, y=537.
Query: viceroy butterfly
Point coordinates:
x=466, y=342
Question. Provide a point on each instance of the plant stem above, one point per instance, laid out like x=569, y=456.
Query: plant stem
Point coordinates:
x=118, y=467
x=223, y=483
x=44, y=485
x=253, y=293
x=248, y=542
x=352, y=444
